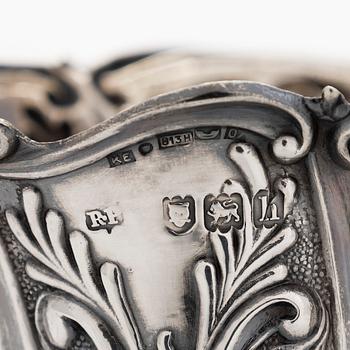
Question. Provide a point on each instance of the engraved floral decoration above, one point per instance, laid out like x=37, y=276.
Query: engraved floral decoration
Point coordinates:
x=243, y=295
x=242, y=290
x=97, y=302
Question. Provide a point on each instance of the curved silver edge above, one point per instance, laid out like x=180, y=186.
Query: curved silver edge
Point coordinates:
x=24, y=158
x=340, y=301
x=15, y=327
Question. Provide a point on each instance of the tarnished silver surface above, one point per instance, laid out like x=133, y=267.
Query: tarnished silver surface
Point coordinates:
x=214, y=217
x=51, y=103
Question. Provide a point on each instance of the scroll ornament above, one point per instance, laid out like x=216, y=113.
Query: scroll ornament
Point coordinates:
x=243, y=295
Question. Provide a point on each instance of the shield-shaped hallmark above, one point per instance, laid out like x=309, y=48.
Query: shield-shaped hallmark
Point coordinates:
x=266, y=265
x=179, y=214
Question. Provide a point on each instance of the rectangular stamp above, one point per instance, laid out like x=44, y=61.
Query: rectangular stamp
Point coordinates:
x=175, y=139
x=121, y=158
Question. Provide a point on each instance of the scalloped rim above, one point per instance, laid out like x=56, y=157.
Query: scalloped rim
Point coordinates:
x=33, y=160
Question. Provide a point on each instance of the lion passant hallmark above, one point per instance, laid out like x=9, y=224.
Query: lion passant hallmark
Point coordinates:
x=223, y=212
x=202, y=220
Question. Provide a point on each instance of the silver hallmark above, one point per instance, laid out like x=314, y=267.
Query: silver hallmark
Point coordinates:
x=223, y=212
x=209, y=133
x=121, y=158
x=238, y=239
x=176, y=139
x=104, y=219
x=179, y=214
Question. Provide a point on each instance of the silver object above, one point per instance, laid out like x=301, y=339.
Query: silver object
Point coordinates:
x=52, y=103
x=214, y=217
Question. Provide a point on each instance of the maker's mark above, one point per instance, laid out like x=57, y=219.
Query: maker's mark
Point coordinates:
x=243, y=297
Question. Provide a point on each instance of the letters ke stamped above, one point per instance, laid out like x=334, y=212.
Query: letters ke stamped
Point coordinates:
x=223, y=243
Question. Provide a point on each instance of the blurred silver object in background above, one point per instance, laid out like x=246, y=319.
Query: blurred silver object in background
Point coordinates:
x=51, y=103
x=212, y=217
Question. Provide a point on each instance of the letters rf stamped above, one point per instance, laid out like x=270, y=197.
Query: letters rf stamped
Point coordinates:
x=230, y=231
x=104, y=219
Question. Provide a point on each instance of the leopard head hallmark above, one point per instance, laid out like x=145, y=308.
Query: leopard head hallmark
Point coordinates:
x=179, y=214
x=206, y=239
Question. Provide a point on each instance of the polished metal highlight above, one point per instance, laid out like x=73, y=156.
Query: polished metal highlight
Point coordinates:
x=51, y=103
x=214, y=217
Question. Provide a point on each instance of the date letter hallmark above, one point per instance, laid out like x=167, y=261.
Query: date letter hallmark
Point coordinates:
x=241, y=289
x=103, y=219
x=244, y=292
x=268, y=212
